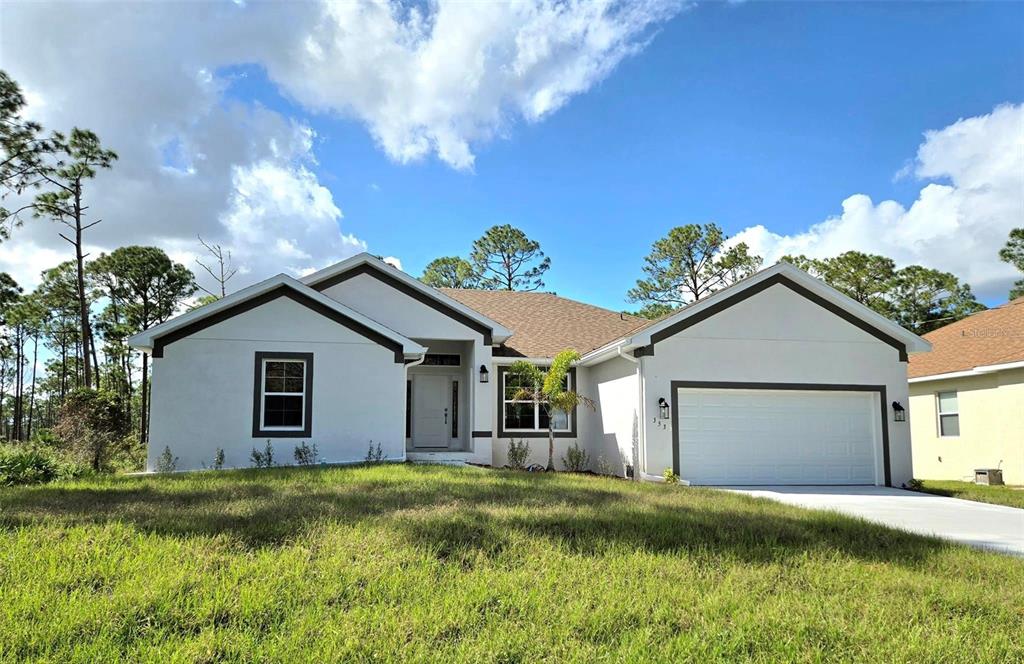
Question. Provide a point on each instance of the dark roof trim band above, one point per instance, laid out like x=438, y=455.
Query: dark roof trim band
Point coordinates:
x=782, y=280
x=281, y=291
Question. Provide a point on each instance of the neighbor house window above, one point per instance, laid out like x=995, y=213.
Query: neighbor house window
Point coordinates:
x=283, y=404
x=524, y=415
x=949, y=414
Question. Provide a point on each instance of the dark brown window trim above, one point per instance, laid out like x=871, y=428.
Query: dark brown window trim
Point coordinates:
x=482, y=434
x=822, y=387
x=442, y=360
x=257, y=396
x=408, y=408
x=572, y=433
x=406, y=289
x=455, y=409
x=782, y=280
x=281, y=291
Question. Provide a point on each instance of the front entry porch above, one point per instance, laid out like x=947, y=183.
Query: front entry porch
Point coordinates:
x=435, y=411
x=443, y=458
x=437, y=400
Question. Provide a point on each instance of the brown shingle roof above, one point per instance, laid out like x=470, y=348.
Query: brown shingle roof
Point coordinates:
x=543, y=324
x=995, y=336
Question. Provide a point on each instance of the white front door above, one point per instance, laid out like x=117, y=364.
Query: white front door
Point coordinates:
x=734, y=436
x=431, y=411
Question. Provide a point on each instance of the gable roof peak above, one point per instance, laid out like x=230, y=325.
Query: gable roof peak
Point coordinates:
x=149, y=340
x=786, y=274
x=333, y=274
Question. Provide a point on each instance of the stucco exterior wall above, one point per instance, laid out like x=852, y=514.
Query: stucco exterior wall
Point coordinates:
x=775, y=336
x=482, y=429
x=991, y=410
x=203, y=389
x=613, y=428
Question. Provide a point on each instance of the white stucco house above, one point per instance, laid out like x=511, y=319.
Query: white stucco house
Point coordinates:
x=778, y=379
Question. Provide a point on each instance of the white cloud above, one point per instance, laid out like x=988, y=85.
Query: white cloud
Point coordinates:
x=25, y=260
x=430, y=80
x=959, y=221
x=191, y=162
x=287, y=209
x=393, y=262
x=439, y=79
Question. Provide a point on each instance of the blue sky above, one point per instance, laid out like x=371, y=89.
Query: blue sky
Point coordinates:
x=773, y=115
x=754, y=114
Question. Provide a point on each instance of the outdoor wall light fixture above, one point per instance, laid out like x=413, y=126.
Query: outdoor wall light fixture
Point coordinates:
x=899, y=413
x=663, y=408
x=484, y=374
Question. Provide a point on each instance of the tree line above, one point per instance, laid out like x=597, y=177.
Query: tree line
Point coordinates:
x=503, y=258
x=695, y=260
x=64, y=359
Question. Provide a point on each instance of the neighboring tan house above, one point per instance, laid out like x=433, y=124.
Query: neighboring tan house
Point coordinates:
x=778, y=379
x=967, y=397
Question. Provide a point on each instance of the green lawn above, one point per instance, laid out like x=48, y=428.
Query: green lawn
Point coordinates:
x=997, y=495
x=417, y=563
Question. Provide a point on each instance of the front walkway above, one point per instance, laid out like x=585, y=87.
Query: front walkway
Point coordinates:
x=980, y=525
x=445, y=458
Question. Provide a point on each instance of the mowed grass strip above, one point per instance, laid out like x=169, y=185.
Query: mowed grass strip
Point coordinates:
x=1011, y=496
x=429, y=563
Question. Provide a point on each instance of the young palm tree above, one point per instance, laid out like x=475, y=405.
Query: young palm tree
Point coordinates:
x=548, y=388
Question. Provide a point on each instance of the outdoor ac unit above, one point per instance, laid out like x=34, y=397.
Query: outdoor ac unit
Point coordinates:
x=988, y=476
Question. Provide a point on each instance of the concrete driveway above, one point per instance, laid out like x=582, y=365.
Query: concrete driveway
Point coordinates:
x=981, y=525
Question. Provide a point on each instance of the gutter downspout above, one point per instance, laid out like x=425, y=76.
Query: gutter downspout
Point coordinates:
x=641, y=421
x=416, y=363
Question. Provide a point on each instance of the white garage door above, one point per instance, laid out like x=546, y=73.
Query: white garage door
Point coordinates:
x=730, y=436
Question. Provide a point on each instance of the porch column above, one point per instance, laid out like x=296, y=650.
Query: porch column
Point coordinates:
x=483, y=397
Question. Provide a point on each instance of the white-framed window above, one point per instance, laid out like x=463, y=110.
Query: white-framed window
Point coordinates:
x=283, y=398
x=948, y=414
x=521, y=415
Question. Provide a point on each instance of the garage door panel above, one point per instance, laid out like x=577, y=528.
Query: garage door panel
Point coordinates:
x=729, y=436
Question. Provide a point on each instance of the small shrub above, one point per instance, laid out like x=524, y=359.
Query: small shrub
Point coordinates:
x=603, y=467
x=670, y=476
x=916, y=485
x=375, y=453
x=166, y=462
x=218, y=459
x=23, y=464
x=92, y=426
x=576, y=459
x=128, y=454
x=264, y=459
x=70, y=469
x=518, y=453
x=306, y=455
x=46, y=437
